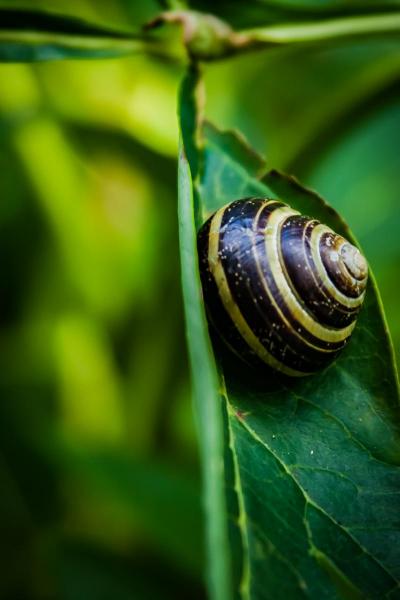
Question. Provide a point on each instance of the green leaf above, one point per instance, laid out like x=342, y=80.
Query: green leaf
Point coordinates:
x=303, y=120
x=29, y=20
x=329, y=5
x=156, y=497
x=27, y=35
x=84, y=571
x=366, y=175
x=315, y=461
x=205, y=378
x=262, y=12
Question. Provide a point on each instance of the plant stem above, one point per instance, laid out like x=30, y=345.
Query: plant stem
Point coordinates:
x=326, y=30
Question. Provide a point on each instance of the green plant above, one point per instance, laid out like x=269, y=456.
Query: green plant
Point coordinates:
x=300, y=480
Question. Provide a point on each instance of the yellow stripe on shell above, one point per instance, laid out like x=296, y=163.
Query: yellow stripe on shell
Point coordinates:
x=325, y=278
x=272, y=238
x=344, y=300
x=270, y=295
x=229, y=303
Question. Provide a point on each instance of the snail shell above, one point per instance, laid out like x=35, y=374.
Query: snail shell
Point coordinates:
x=280, y=288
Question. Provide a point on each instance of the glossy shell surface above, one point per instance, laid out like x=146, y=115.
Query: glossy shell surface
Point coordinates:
x=280, y=288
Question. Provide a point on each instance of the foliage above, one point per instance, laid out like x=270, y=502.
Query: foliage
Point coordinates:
x=100, y=472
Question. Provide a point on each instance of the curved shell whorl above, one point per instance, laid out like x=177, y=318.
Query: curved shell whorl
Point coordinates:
x=280, y=288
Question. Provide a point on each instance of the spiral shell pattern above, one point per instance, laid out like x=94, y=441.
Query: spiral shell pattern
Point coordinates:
x=280, y=288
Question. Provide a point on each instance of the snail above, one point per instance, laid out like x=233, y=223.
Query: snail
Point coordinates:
x=280, y=288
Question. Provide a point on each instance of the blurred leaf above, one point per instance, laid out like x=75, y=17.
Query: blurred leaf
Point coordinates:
x=302, y=118
x=16, y=528
x=87, y=572
x=294, y=441
x=99, y=215
x=120, y=15
x=92, y=346
x=27, y=35
x=160, y=501
x=90, y=394
x=115, y=95
x=204, y=374
x=344, y=5
x=156, y=368
x=364, y=188
x=261, y=12
x=363, y=86
x=31, y=20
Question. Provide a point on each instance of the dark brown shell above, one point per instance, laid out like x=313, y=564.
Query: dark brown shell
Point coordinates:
x=280, y=288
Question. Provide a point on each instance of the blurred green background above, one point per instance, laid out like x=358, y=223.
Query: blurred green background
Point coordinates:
x=99, y=475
